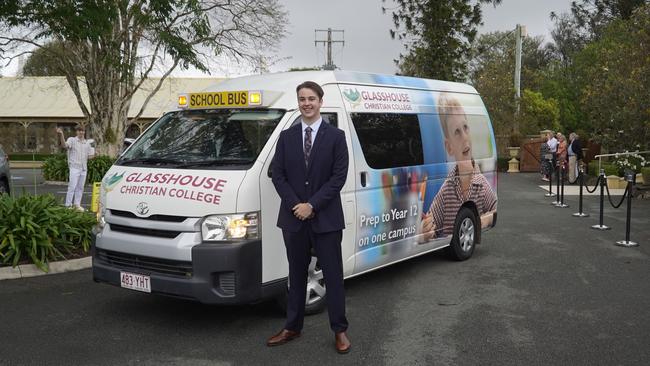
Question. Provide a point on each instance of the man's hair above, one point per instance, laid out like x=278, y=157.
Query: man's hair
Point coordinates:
x=79, y=128
x=448, y=105
x=313, y=86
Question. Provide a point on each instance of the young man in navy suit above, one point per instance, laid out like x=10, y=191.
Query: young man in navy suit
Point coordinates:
x=309, y=170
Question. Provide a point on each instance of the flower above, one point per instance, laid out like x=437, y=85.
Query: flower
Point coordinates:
x=630, y=161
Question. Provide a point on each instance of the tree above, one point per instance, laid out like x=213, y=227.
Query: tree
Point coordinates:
x=437, y=36
x=40, y=62
x=538, y=113
x=492, y=73
x=112, y=46
x=595, y=15
x=614, y=74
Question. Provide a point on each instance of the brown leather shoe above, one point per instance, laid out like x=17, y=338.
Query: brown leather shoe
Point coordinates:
x=283, y=337
x=342, y=343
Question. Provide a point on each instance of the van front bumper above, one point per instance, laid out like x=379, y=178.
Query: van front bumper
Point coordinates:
x=219, y=273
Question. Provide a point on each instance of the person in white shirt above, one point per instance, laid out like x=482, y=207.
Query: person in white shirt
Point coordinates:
x=79, y=151
x=552, y=146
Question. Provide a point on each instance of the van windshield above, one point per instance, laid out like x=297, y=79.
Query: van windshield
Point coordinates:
x=205, y=139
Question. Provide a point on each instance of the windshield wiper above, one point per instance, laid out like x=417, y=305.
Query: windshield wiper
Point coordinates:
x=150, y=161
x=217, y=162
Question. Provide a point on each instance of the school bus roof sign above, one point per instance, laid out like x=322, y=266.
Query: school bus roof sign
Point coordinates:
x=224, y=99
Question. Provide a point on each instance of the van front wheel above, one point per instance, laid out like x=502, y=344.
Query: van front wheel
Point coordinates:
x=315, y=301
x=463, y=241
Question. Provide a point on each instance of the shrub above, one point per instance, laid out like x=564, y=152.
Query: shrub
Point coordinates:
x=39, y=230
x=632, y=162
x=502, y=164
x=56, y=168
x=29, y=157
x=97, y=168
x=610, y=169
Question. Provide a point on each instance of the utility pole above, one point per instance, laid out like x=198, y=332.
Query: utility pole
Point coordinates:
x=520, y=32
x=329, y=65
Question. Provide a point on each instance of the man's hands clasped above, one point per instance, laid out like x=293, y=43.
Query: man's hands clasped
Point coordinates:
x=303, y=211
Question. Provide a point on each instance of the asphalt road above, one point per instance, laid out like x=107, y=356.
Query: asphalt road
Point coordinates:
x=542, y=289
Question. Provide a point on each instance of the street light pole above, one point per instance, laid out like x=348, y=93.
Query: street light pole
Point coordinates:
x=520, y=32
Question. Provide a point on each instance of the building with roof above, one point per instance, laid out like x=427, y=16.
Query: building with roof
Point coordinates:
x=32, y=107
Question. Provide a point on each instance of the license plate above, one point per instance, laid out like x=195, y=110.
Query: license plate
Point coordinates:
x=135, y=281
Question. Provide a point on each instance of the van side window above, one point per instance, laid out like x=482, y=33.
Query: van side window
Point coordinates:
x=328, y=117
x=389, y=140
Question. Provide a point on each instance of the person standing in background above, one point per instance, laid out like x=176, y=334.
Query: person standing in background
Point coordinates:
x=79, y=151
x=552, y=147
x=575, y=155
x=561, y=151
x=545, y=159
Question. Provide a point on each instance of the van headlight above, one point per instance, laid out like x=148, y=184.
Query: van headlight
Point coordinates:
x=227, y=227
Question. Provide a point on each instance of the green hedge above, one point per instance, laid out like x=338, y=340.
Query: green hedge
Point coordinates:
x=502, y=164
x=39, y=230
x=56, y=168
x=29, y=157
x=610, y=169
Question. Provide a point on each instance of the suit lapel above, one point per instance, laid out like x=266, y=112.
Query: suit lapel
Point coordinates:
x=322, y=130
x=296, y=140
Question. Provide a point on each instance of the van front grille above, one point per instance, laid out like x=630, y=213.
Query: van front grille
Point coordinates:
x=145, y=264
x=145, y=232
x=131, y=215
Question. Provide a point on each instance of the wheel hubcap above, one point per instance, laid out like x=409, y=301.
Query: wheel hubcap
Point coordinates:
x=466, y=234
x=315, y=283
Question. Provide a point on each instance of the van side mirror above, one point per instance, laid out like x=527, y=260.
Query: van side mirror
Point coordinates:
x=128, y=142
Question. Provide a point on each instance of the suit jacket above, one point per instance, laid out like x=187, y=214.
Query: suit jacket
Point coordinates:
x=319, y=184
x=576, y=147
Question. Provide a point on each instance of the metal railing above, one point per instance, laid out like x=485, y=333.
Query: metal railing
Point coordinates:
x=600, y=160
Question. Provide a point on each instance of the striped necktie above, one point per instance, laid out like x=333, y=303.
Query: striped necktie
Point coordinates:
x=307, y=148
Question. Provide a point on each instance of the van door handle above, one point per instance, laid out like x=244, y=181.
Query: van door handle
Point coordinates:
x=269, y=172
x=363, y=179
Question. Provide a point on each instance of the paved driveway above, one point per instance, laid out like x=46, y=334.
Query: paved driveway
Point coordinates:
x=543, y=289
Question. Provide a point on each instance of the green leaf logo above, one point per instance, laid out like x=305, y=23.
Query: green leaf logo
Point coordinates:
x=352, y=96
x=111, y=182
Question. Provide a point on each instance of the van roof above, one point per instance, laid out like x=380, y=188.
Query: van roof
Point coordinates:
x=287, y=81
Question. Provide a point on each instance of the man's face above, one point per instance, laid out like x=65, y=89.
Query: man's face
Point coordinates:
x=458, y=142
x=309, y=104
x=81, y=133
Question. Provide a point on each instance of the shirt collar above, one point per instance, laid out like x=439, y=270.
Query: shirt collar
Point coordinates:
x=476, y=180
x=314, y=126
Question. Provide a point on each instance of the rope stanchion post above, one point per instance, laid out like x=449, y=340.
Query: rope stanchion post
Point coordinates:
x=630, y=177
x=562, y=178
x=550, y=180
x=600, y=225
x=581, y=178
x=557, y=185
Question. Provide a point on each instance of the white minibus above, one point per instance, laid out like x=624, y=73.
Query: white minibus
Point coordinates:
x=189, y=210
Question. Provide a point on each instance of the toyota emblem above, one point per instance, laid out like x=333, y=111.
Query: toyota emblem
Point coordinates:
x=142, y=208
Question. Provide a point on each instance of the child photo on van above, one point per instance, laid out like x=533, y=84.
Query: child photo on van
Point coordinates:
x=465, y=182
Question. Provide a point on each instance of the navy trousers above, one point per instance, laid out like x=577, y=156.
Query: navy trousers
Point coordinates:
x=328, y=250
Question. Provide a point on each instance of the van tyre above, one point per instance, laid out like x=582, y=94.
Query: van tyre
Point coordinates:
x=315, y=301
x=465, y=235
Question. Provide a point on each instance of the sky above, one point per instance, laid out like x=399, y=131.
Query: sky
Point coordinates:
x=368, y=46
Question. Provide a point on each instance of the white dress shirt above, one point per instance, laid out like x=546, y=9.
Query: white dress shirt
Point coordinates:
x=314, y=130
